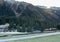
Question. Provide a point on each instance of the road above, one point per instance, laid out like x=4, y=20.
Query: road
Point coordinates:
x=28, y=37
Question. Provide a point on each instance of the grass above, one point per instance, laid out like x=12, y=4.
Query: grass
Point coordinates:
x=55, y=38
x=12, y=36
x=18, y=36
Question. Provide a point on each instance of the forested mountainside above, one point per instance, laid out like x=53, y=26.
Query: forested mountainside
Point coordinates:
x=26, y=9
x=27, y=15
x=6, y=11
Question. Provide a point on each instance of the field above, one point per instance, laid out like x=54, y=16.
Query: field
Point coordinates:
x=55, y=38
x=15, y=35
x=18, y=35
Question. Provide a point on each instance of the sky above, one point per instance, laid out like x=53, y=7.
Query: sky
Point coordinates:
x=47, y=3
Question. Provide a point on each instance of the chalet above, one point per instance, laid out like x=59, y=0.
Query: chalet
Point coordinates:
x=4, y=28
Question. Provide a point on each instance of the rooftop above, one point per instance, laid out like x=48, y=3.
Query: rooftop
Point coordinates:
x=4, y=26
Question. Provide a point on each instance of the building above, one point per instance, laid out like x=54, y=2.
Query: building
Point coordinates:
x=4, y=28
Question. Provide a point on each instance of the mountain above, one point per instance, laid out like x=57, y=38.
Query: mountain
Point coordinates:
x=43, y=7
x=55, y=8
x=25, y=16
x=5, y=10
x=23, y=9
x=45, y=14
x=52, y=13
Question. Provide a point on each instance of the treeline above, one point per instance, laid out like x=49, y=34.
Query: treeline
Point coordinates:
x=28, y=24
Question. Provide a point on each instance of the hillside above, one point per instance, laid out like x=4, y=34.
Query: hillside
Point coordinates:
x=26, y=9
x=28, y=16
x=6, y=11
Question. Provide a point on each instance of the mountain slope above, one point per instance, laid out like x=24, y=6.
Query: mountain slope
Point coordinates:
x=5, y=10
x=23, y=9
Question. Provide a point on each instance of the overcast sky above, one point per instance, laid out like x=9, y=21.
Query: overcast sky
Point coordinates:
x=47, y=3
